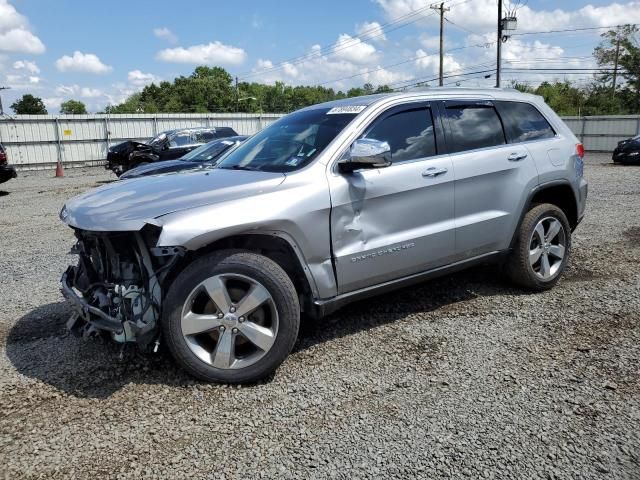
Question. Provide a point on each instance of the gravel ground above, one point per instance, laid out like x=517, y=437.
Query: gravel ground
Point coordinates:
x=463, y=376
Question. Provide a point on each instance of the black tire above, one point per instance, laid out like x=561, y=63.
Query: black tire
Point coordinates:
x=260, y=268
x=518, y=267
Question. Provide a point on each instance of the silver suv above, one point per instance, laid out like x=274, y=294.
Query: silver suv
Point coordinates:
x=330, y=204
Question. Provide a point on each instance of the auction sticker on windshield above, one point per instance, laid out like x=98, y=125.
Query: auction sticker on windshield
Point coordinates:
x=346, y=109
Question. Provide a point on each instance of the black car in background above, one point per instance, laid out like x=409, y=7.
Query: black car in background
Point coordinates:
x=7, y=172
x=627, y=151
x=165, y=146
x=204, y=156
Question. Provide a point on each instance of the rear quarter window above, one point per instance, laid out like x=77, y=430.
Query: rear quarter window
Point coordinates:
x=523, y=122
x=473, y=126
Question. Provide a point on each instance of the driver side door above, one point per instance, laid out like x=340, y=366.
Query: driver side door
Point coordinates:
x=387, y=223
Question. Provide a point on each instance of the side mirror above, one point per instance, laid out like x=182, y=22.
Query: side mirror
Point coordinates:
x=366, y=153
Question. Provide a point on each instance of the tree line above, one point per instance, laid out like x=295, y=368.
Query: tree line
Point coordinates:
x=212, y=89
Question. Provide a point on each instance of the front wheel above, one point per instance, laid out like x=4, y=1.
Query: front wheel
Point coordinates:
x=542, y=247
x=231, y=317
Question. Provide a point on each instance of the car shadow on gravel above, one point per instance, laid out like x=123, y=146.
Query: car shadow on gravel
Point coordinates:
x=445, y=295
x=3, y=193
x=39, y=346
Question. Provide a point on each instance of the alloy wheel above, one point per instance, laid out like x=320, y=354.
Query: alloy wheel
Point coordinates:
x=547, y=248
x=229, y=321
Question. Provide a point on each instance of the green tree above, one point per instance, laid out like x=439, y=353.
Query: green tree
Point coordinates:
x=622, y=42
x=73, y=107
x=211, y=89
x=563, y=97
x=29, y=105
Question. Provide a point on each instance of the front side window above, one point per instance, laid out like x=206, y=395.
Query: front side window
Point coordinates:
x=409, y=134
x=158, y=140
x=290, y=143
x=473, y=126
x=523, y=122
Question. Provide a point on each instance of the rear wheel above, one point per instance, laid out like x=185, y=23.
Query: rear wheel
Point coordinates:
x=231, y=317
x=542, y=248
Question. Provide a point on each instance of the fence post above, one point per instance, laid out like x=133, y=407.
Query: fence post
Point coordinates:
x=106, y=133
x=638, y=126
x=584, y=125
x=58, y=143
x=155, y=125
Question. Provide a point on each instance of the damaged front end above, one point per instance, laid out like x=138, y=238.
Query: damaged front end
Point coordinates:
x=117, y=286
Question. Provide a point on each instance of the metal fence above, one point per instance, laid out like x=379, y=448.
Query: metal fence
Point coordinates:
x=39, y=141
x=602, y=134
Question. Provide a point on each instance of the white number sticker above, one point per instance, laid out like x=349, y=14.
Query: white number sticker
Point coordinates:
x=346, y=109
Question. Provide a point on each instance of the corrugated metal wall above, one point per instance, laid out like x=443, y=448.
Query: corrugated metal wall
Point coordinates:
x=602, y=134
x=39, y=141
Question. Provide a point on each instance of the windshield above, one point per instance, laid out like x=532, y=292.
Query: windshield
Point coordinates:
x=288, y=144
x=208, y=151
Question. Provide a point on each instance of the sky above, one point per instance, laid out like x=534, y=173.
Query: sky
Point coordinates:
x=102, y=52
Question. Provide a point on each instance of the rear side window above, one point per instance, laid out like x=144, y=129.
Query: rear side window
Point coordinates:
x=203, y=136
x=473, y=126
x=523, y=122
x=409, y=134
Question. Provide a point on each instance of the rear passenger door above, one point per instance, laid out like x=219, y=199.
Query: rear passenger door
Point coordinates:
x=492, y=177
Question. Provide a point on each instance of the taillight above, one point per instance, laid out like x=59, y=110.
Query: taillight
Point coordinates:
x=580, y=150
x=3, y=157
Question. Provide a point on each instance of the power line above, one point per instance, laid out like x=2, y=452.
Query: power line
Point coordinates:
x=583, y=29
x=412, y=59
x=334, y=48
x=353, y=41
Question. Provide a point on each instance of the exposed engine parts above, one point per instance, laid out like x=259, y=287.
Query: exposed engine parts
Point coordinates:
x=117, y=285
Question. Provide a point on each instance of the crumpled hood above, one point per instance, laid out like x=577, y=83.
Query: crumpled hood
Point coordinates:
x=128, y=205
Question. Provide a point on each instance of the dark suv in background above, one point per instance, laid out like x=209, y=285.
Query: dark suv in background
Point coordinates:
x=7, y=172
x=167, y=145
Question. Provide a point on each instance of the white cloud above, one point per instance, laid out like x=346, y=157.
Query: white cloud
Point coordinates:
x=15, y=32
x=371, y=31
x=322, y=69
x=52, y=102
x=140, y=79
x=31, y=67
x=431, y=62
x=354, y=50
x=23, y=75
x=430, y=42
x=480, y=15
x=77, y=91
x=82, y=62
x=165, y=34
x=213, y=53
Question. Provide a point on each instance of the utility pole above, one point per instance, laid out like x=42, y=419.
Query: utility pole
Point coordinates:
x=499, y=55
x=237, y=96
x=441, y=8
x=615, y=68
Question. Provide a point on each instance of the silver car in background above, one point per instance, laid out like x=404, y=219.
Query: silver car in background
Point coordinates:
x=330, y=204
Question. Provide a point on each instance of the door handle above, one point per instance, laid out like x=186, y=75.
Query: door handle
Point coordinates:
x=515, y=157
x=434, y=172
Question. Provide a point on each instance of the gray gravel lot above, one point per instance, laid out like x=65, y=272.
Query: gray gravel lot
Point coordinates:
x=463, y=376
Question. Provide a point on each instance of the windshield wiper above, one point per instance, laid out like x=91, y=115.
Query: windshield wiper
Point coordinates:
x=240, y=167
